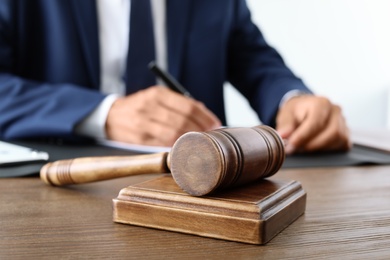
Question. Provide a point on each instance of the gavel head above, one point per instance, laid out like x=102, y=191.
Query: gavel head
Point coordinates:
x=201, y=162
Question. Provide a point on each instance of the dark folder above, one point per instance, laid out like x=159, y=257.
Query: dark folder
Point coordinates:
x=359, y=155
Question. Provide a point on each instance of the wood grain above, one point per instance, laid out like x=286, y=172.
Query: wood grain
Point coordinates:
x=92, y=169
x=204, y=162
x=347, y=217
x=251, y=214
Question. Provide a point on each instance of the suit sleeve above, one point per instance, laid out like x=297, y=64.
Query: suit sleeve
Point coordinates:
x=33, y=109
x=256, y=69
x=30, y=108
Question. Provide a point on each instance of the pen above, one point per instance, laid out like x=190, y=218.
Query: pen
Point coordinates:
x=168, y=79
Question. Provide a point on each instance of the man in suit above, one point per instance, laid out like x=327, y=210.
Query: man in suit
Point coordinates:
x=70, y=67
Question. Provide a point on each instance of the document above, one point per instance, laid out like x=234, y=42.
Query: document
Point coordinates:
x=376, y=138
x=16, y=160
x=134, y=147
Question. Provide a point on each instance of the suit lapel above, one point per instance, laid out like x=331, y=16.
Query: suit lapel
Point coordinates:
x=178, y=12
x=87, y=23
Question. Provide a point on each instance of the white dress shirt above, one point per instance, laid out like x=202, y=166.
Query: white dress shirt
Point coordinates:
x=114, y=26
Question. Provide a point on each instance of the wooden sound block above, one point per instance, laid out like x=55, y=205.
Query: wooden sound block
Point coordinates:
x=252, y=214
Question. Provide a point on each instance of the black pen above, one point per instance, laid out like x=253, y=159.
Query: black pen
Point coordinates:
x=168, y=79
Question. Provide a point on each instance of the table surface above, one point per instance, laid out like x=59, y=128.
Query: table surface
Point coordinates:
x=347, y=216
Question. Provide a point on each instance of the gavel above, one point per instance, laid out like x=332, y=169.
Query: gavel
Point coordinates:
x=199, y=162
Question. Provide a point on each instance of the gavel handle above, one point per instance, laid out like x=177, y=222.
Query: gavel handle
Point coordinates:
x=91, y=169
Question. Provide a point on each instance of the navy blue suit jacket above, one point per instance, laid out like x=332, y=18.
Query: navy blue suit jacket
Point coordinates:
x=49, y=61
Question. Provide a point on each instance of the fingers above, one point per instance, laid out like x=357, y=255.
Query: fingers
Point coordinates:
x=157, y=116
x=333, y=137
x=312, y=123
x=286, y=123
x=312, y=115
x=191, y=112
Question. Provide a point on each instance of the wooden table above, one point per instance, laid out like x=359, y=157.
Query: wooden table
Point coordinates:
x=347, y=217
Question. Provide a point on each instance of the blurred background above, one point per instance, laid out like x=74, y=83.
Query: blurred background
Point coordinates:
x=340, y=48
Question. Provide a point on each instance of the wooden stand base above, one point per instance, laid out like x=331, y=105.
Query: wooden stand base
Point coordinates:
x=251, y=214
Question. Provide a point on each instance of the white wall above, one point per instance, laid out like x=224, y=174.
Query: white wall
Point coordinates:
x=340, y=48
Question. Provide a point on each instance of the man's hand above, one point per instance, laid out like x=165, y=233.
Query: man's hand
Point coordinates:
x=311, y=123
x=157, y=116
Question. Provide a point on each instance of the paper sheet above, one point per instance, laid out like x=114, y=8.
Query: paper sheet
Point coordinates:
x=377, y=138
x=15, y=154
x=134, y=147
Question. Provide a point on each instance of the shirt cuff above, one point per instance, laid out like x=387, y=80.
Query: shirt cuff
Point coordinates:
x=94, y=125
x=290, y=94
